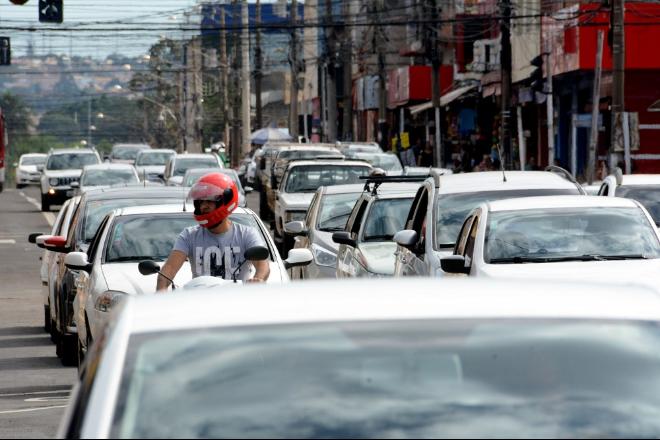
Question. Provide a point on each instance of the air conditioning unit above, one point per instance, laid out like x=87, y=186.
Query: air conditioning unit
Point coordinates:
x=486, y=55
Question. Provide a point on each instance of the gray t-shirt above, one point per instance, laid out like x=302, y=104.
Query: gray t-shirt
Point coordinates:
x=218, y=255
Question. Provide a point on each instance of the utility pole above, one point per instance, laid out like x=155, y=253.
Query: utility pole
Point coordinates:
x=330, y=78
x=245, y=75
x=382, y=78
x=550, y=106
x=236, y=96
x=434, y=50
x=618, y=77
x=258, y=73
x=347, y=121
x=593, y=142
x=224, y=69
x=89, y=123
x=507, y=84
x=293, y=109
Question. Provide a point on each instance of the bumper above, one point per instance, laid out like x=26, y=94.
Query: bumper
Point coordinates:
x=59, y=195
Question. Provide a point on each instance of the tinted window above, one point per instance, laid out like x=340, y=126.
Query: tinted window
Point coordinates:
x=562, y=234
x=126, y=153
x=153, y=159
x=181, y=165
x=386, y=218
x=309, y=178
x=423, y=379
x=647, y=195
x=108, y=177
x=73, y=161
x=453, y=209
x=335, y=210
x=306, y=154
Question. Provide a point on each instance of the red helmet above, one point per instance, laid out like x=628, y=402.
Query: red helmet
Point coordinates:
x=218, y=188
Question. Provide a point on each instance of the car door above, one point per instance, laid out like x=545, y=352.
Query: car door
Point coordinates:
x=346, y=262
x=411, y=262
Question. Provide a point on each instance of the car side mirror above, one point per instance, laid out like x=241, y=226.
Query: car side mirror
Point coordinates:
x=78, y=261
x=257, y=253
x=32, y=238
x=455, y=264
x=295, y=228
x=406, y=238
x=148, y=267
x=298, y=258
x=56, y=244
x=343, y=237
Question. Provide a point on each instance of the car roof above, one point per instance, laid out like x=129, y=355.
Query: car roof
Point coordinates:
x=558, y=202
x=389, y=299
x=109, y=166
x=325, y=162
x=141, y=146
x=73, y=150
x=136, y=191
x=342, y=189
x=154, y=210
x=319, y=147
x=34, y=155
x=641, y=179
x=157, y=150
x=494, y=181
x=194, y=156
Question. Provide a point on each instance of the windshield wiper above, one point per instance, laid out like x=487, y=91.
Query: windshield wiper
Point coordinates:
x=586, y=257
x=336, y=229
x=134, y=258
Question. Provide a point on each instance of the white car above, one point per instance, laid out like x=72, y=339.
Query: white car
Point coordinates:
x=645, y=188
x=150, y=164
x=126, y=153
x=109, y=269
x=105, y=175
x=28, y=169
x=562, y=237
x=376, y=359
x=443, y=202
x=178, y=165
x=63, y=168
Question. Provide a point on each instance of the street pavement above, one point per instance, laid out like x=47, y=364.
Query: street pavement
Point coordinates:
x=34, y=386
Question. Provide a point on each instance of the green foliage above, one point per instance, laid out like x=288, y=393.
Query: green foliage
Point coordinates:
x=17, y=114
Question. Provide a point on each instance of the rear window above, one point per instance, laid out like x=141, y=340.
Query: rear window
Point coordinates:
x=182, y=165
x=309, y=178
x=73, y=161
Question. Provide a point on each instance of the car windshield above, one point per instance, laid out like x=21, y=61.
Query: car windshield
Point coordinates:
x=307, y=154
x=452, y=209
x=387, y=162
x=108, y=177
x=182, y=165
x=153, y=159
x=386, y=218
x=308, y=178
x=126, y=153
x=335, y=210
x=647, y=195
x=72, y=161
x=404, y=379
x=96, y=210
x=549, y=235
x=33, y=160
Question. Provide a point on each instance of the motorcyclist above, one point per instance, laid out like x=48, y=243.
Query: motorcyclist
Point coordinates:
x=216, y=246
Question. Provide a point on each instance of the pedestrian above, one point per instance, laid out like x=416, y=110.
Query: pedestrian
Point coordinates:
x=425, y=158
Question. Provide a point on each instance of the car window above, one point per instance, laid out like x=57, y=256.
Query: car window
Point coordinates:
x=647, y=195
x=308, y=178
x=73, y=161
x=32, y=160
x=153, y=159
x=546, y=235
x=357, y=220
x=126, y=153
x=108, y=177
x=561, y=378
x=182, y=165
x=604, y=190
x=472, y=239
x=334, y=211
x=463, y=236
x=452, y=209
x=385, y=218
x=91, y=252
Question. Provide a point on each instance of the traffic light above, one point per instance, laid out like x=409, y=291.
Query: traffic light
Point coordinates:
x=538, y=84
x=51, y=11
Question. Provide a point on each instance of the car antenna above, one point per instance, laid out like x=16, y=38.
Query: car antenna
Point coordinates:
x=499, y=153
x=184, y=200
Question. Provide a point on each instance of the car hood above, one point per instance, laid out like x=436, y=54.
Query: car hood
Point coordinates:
x=151, y=169
x=125, y=277
x=62, y=173
x=28, y=169
x=634, y=271
x=379, y=256
x=296, y=200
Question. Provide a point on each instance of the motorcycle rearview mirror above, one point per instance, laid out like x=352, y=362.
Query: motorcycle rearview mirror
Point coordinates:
x=257, y=253
x=149, y=267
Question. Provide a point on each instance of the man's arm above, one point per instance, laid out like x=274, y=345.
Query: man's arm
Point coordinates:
x=170, y=269
x=263, y=271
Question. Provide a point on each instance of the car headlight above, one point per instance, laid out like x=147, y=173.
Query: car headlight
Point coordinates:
x=107, y=300
x=294, y=216
x=323, y=257
x=53, y=181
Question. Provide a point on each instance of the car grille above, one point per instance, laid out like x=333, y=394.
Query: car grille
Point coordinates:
x=66, y=181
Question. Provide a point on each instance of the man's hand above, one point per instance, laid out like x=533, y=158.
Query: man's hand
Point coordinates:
x=263, y=271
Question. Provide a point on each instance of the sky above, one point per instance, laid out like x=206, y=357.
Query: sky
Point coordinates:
x=164, y=15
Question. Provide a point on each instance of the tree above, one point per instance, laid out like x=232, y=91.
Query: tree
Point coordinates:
x=17, y=114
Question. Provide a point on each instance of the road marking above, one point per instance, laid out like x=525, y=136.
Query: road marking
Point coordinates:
x=43, y=408
x=47, y=399
x=50, y=217
x=8, y=241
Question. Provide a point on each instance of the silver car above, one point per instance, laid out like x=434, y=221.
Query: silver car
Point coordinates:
x=376, y=359
x=327, y=214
